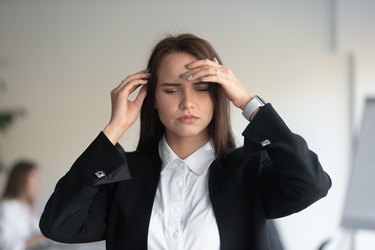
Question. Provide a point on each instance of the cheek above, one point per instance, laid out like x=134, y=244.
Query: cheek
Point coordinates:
x=33, y=184
x=208, y=105
x=165, y=111
x=162, y=107
x=165, y=104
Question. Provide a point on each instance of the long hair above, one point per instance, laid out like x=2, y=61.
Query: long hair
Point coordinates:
x=152, y=129
x=17, y=181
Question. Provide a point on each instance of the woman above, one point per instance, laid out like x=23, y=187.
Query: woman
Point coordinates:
x=186, y=186
x=18, y=224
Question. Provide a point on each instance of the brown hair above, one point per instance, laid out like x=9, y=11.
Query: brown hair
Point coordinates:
x=17, y=180
x=219, y=129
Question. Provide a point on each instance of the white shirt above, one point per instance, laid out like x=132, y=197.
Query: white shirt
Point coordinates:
x=17, y=224
x=182, y=215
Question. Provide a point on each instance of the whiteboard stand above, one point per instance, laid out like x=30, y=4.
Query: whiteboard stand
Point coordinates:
x=359, y=209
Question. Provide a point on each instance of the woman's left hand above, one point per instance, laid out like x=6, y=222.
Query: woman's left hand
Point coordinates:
x=211, y=71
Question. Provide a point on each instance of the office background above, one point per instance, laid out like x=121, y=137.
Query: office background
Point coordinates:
x=313, y=60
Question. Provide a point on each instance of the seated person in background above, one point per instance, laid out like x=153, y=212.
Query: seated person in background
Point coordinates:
x=18, y=224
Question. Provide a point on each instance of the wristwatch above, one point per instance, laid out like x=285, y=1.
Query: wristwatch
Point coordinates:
x=254, y=103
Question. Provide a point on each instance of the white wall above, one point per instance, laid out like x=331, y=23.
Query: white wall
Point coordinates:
x=64, y=57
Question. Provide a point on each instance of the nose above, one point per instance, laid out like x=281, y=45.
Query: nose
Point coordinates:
x=187, y=99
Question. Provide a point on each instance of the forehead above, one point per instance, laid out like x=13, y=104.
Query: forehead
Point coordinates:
x=173, y=65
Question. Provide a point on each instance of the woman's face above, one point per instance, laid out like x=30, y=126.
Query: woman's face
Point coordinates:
x=33, y=184
x=185, y=108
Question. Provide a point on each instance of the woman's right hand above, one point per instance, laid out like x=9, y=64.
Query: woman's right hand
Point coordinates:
x=125, y=111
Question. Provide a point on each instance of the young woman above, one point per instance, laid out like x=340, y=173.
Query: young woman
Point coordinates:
x=18, y=224
x=186, y=186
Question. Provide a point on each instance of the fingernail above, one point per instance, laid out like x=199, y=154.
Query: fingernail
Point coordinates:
x=186, y=75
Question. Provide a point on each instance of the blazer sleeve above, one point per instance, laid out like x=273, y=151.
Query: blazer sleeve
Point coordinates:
x=77, y=212
x=291, y=176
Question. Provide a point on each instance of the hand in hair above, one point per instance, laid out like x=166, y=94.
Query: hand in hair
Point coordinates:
x=211, y=71
x=125, y=111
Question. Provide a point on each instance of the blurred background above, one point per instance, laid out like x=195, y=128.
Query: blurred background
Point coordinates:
x=313, y=60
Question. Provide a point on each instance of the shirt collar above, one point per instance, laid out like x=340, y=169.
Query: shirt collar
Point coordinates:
x=198, y=162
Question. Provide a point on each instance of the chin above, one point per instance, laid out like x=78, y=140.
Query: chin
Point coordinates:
x=189, y=133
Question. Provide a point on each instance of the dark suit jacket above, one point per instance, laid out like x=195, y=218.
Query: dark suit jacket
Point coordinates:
x=250, y=184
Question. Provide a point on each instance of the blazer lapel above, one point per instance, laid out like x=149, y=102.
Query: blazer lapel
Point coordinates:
x=136, y=196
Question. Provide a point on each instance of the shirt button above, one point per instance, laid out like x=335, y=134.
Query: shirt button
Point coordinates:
x=179, y=183
x=177, y=209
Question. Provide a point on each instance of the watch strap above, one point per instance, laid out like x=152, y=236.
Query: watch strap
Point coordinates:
x=254, y=103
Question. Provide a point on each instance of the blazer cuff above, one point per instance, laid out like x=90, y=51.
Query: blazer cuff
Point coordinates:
x=266, y=128
x=102, y=162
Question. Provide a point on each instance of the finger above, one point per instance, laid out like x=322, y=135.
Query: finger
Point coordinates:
x=188, y=75
x=200, y=63
x=128, y=89
x=133, y=85
x=218, y=72
x=216, y=61
x=144, y=71
x=213, y=78
x=203, y=72
x=141, y=96
x=138, y=75
x=142, y=75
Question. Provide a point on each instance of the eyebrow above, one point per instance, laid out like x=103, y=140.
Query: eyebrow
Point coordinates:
x=201, y=83
x=171, y=84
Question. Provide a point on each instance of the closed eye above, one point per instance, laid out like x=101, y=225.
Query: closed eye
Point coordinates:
x=201, y=86
x=202, y=89
x=170, y=88
x=170, y=91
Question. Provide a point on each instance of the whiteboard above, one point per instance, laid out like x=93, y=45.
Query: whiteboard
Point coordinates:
x=359, y=210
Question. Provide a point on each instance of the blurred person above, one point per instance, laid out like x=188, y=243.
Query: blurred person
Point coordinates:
x=18, y=223
x=186, y=186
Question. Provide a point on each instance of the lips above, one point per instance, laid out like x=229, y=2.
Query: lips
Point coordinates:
x=188, y=119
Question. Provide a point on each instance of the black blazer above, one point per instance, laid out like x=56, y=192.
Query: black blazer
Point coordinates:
x=273, y=175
